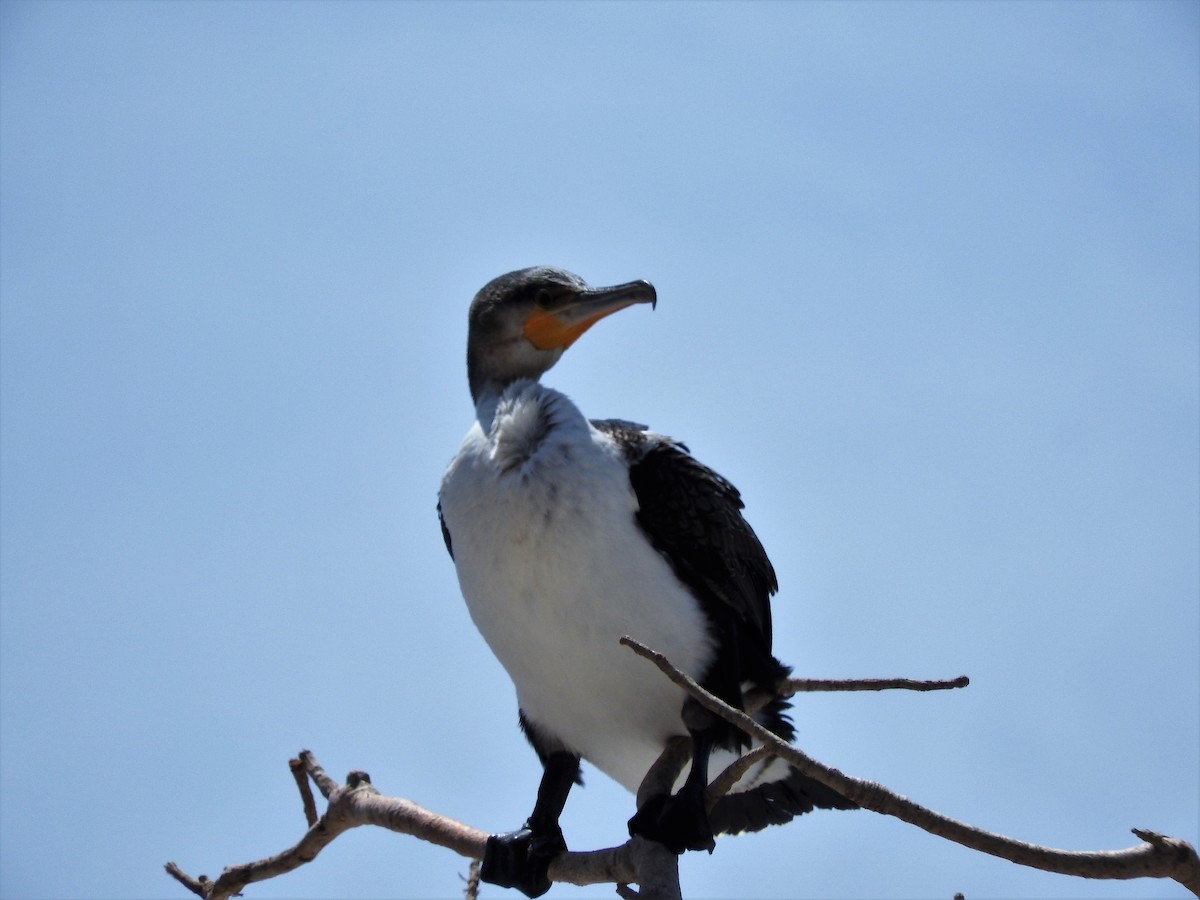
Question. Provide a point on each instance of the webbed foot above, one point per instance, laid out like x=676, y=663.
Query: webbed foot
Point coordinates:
x=679, y=822
x=519, y=859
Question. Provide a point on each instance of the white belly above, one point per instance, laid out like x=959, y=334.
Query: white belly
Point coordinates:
x=555, y=571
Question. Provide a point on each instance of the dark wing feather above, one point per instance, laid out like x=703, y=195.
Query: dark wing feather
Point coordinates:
x=693, y=517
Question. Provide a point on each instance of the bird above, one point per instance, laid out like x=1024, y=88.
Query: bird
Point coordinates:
x=568, y=533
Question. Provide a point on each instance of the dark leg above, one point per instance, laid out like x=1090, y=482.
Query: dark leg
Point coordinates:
x=680, y=821
x=520, y=858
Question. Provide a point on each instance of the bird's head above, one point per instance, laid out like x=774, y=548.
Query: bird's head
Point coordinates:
x=520, y=323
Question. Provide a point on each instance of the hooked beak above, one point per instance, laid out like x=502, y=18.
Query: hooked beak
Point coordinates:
x=559, y=328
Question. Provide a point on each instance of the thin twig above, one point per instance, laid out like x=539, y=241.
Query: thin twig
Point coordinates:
x=755, y=699
x=723, y=783
x=472, y=890
x=662, y=776
x=306, y=798
x=814, y=685
x=196, y=885
x=320, y=777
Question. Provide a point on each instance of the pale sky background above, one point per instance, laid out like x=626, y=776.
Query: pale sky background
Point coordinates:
x=929, y=294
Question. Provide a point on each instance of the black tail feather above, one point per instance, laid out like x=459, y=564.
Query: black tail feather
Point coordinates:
x=773, y=803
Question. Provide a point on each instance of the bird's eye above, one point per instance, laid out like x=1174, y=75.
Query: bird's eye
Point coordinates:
x=544, y=298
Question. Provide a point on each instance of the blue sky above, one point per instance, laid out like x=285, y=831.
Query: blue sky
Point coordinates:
x=929, y=294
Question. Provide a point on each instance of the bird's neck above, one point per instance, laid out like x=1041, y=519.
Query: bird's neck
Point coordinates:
x=527, y=423
x=491, y=394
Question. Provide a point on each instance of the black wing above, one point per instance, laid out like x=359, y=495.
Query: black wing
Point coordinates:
x=693, y=517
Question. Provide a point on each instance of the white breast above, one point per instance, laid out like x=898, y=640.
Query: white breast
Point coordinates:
x=555, y=570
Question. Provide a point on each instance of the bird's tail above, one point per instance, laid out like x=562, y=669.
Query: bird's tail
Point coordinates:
x=772, y=792
x=773, y=803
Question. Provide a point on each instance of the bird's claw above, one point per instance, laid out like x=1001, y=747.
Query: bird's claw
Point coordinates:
x=676, y=821
x=520, y=859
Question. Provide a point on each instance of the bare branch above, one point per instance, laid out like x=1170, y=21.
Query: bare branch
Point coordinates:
x=320, y=777
x=651, y=866
x=654, y=868
x=306, y=797
x=197, y=886
x=723, y=783
x=1158, y=857
x=661, y=777
x=472, y=889
x=754, y=700
x=813, y=685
